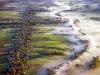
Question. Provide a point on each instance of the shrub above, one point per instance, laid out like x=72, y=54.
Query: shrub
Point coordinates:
x=78, y=65
x=95, y=62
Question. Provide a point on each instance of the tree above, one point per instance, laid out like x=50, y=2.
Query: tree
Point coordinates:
x=95, y=62
x=76, y=22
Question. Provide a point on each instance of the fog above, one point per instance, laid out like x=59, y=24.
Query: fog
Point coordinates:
x=86, y=26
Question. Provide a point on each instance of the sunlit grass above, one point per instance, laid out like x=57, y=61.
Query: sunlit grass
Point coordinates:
x=9, y=14
x=40, y=55
x=4, y=33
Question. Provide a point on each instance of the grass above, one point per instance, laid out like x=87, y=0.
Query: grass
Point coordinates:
x=37, y=54
x=4, y=65
x=54, y=41
x=47, y=40
x=47, y=43
x=5, y=36
x=38, y=61
x=9, y=14
x=42, y=31
x=4, y=47
x=8, y=45
x=36, y=64
x=4, y=33
x=92, y=15
x=50, y=36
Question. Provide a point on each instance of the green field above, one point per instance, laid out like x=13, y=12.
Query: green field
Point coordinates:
x=4, y=47
x=41, y=55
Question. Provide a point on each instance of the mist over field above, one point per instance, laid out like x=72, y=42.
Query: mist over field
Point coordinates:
x=94, y=1
x=49, y=37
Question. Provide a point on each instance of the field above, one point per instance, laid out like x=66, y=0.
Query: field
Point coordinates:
x=5, y=47
x=6, y=40
x=9, y=14
x=40, y=38
x=45, y=48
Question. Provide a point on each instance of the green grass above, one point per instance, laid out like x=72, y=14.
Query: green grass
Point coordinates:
x=38, y=61
x=4, y=65
x=47, y=43
x=9, y=21
x=47, y=40
x=8, y=45
x=54, y=41
x=36, y=64
x=50, y=36
x=4, y=33
x=42, y=31
x=41, y=55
